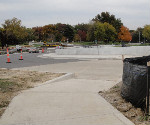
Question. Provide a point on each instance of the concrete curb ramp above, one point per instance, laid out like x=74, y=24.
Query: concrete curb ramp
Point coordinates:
x=58, y=79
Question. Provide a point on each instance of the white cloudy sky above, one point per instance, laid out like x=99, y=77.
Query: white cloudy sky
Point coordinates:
x=133, y=13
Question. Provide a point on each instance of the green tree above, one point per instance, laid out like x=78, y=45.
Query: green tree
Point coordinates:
x=69, y=32
x=111, y=19
x=99, y=31
x=110, y=32
x=15, y=33
x=137, y=35
x=58, y=36
x=2, y=37
x=90, y=32
x=146, y=32
x=30, y=34
x=82, y=27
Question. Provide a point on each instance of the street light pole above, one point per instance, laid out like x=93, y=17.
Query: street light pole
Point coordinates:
x=144, y=38
x=139, y=37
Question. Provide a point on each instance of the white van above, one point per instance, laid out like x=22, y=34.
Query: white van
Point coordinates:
x=18, y=47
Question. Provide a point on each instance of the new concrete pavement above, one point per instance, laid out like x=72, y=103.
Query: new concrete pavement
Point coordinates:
x=70, y=102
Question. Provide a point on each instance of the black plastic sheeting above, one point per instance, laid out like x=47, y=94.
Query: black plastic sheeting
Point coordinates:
x=135, y=80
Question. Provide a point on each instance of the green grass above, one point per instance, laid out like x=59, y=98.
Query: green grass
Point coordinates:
x=145, y=44
x=99, y=43
x=83, y=43
x=6, y=85
x=144, y=118
x=35, y=45
x=116, y=87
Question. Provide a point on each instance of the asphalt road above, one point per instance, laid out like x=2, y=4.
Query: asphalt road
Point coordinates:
x=29, y=59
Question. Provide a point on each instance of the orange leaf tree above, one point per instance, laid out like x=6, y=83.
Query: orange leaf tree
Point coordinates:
x=124, y=34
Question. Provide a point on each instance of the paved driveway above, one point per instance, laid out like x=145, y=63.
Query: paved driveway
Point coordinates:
x=71, y=102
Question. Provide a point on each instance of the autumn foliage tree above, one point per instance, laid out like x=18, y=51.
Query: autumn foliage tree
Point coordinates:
x=82, y=35
x=77, y=38
x=38, y=33
x=124, y=34
x=48, y=32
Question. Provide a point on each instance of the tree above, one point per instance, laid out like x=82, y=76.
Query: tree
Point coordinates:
x=81, y=30
x=69, y=32
x=110, y=32
x=64, y=39
x=99, y=31
x=90, y=32
x=58, y=36
x=82, y=27
x=60, y=29
x=77, y=38
x=111, y=19
x=146, y=32
x=124, y=34
x=30, y=34
x=82, y=35
x=48, y=32
x=2, y=37
x=137, y=35
x=15, y=33
x=38, y=33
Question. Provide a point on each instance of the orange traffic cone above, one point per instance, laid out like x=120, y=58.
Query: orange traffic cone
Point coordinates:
x=8, y=59
x=21, y=56
x=42, y=50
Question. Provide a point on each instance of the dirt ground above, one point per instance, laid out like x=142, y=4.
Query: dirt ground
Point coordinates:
x=13, y=82
x=136, y=115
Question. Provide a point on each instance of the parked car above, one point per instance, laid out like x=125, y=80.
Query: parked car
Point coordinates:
x=11, y=51
x=33, y=50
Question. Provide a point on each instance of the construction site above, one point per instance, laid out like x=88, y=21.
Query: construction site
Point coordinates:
x=71, y=85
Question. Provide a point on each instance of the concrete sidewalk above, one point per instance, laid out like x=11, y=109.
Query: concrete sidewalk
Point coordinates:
x=71, y=102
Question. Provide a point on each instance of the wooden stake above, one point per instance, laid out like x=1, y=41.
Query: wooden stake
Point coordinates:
x=148, y=63
x=122, y=57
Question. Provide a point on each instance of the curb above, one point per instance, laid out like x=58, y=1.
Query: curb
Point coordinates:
x=119, y=115
x=58, y=79
x=122, y=118
x=99, y=57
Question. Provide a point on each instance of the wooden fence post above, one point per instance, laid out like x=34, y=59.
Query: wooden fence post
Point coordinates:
x=122, y=57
